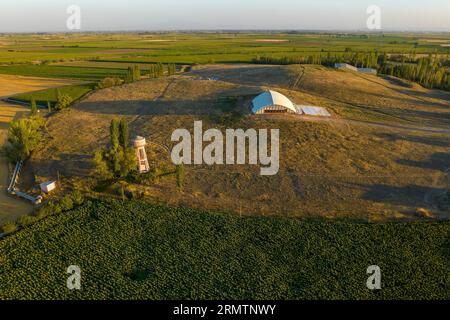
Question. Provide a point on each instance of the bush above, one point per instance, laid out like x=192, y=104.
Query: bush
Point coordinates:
x=9, y=227
x=64, y=101
x=23, y=136
x=109, y=82
x=77, y=197
x=45, y=211
x=55, y=208
x=66, y=203
x=26, y=220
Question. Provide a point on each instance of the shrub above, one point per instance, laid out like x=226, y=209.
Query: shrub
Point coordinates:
x=77, y=197
x=26, y=220
x=109, y=82
x=44, y=211
x=9, y=227
x=66, y=203
x=64, y=101
x=55, y=208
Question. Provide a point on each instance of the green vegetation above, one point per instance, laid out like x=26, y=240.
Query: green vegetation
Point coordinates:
x=34, y=109
x=88, y=74
x=9, y=227
x=119, y=160
x=133, y=250
x=109, y=82
x=97, y=56
x=64, y=101
x=430, y=72
x=44, y=97
x=23, y=137
x=427, y=71
x=133, y=74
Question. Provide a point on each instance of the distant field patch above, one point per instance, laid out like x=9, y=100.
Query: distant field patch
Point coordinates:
x=120, y=51
x=272, y=40
x=67, y=72
x=50, y=95
x=103, y=64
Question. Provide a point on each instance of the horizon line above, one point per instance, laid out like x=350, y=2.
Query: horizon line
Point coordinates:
x=230, y=30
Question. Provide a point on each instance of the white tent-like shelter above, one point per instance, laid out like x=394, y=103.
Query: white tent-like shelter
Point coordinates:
x=272, y=102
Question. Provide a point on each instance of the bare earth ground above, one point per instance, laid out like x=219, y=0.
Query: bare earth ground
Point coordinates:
x=10, y=207
x=384, y=154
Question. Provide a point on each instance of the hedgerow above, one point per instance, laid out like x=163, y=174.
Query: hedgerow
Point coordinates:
x=134, y=250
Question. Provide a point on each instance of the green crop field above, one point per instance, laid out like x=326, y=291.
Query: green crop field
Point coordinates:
x=89, y=74
x=134, y=250
x=200, y=47
x=50, y=95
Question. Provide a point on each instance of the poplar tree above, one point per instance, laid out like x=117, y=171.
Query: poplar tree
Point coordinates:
x=114, y=133
x=123, y=133
x=34, y=109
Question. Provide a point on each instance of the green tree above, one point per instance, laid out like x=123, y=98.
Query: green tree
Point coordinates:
x=114, y=133
x=119, y=161
x=64, y=101
x=102, y=169
x=23, y=137
x=34, y=109
x=124, y=135
x=49, y=106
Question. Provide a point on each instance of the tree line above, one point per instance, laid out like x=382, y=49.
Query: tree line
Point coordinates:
x=430, y=72
x=157, y=70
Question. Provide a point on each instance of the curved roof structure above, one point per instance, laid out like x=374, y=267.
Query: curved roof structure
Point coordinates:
x=272, y=101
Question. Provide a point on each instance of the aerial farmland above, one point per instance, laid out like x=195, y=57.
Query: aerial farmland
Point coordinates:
x=367, y=179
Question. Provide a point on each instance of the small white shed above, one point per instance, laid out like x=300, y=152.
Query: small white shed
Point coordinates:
x=48, y=186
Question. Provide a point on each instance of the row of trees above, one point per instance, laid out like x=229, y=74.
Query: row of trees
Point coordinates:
x=431, y=71
x=428, y=73
x=158, y=70
x=155, y=71
x=119, y=160
x=358, y=59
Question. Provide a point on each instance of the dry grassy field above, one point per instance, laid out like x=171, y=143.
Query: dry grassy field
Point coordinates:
x=11, y=208
x=384, y=153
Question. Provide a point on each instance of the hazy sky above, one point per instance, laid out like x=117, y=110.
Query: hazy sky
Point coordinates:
x=50, y=15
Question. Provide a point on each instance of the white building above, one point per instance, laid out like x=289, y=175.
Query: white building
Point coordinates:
x=345, y=66
x=272, y=102
x=367, y=70
x=48, y=186
x=139, y=145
